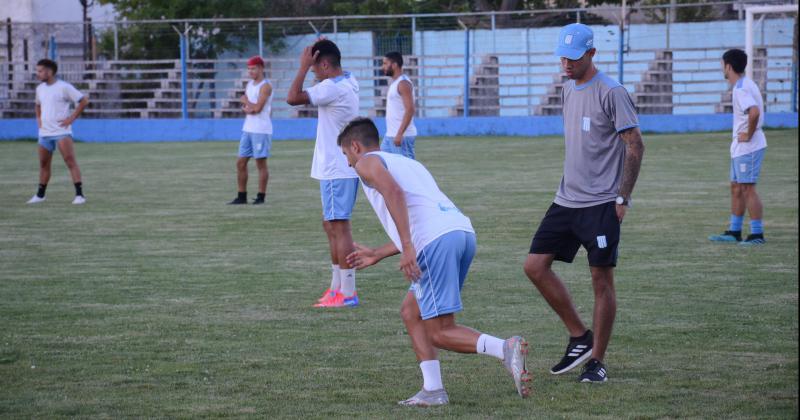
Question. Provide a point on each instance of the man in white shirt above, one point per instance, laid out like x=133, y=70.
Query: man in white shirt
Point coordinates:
x=256, y=140
x=747, y=152
x=437, y=244
x=336, y=98
x=53, y=116
x=401, y=132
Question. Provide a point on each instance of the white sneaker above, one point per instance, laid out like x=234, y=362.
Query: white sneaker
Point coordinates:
x=35, y=199
x=79, y=199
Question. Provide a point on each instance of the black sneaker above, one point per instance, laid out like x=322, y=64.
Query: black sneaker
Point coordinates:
x=578, y=350
x=727, y=236
x=259, y=199
x=594, y=372
x=239, y=200
x=753, y=239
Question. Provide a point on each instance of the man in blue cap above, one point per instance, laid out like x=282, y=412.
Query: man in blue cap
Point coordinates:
x=604, y=152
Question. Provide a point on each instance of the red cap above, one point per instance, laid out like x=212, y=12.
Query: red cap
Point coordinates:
x=255, y=61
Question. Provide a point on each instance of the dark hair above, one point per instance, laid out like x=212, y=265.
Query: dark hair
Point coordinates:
x=395, y=57
x=362, y=130
x=47, y=63
x=736, y=58
x=328, y=51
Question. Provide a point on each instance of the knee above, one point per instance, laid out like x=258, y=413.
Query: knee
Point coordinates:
x=736, y=189
x=603, y=285
x=408, y=314
x=241, y=164
x=70, y=161
x=534, y=269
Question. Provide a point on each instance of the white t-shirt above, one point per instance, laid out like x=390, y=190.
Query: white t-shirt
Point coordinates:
x=55, y=101
x=337, y=104
x=746, y=94
x=396, y=110
x=258, y=123
x=430, y=213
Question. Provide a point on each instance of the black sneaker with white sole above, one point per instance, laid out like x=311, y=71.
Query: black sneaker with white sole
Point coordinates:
x=578, y=350
x=594, y=372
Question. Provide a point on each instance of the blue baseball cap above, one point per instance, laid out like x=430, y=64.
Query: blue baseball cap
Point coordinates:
x=574, y=40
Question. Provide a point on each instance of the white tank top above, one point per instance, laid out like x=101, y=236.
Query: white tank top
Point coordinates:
x=395, y=110
x=430, y=213
x=258, y=123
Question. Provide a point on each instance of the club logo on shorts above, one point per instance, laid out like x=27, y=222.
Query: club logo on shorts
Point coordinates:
x=601, y=242
x=742, y=167
x=587, y=124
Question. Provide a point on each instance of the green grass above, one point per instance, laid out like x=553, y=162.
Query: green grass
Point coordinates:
x=157, y=300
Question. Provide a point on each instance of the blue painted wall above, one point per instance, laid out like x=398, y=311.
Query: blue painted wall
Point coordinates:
x=139, y=130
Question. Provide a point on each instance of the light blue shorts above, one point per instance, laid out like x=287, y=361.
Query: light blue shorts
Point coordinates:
x=254, y=145
x=50, y=142
x=406, y=147
x=745, y=169
x=444, y=264
x=338, y=198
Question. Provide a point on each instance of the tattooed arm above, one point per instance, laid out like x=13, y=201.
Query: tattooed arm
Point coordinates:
x=634, y=151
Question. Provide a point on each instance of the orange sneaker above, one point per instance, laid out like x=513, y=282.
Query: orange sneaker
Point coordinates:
x=338, y=300
x=325, y=296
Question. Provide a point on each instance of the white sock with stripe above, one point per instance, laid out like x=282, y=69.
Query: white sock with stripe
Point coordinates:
x=336, y=282
x=347, y=277
x=431, y=375
x=490, y=345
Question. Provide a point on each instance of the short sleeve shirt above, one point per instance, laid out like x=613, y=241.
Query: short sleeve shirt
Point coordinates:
x=336, y=100
x=594, y=115
x=746, y=95
x=55, y=101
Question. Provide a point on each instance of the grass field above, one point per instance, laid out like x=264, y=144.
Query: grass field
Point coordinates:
x=157, y=300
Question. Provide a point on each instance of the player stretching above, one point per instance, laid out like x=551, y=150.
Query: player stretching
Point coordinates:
x=747, y=151
x=400, y=129
x=53, y=99
x=336, y=99
x=604, y=152
x=256, y=140
x=437, y=243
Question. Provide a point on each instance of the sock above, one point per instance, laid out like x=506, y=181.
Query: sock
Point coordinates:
x=40, y=192
x=756, y=227
x=336, y=284
x=736, y=223
x=261, y=196
x=79, y=188
x=492, y=346
x=242, y=195
x=348, y=279
x=431, y=375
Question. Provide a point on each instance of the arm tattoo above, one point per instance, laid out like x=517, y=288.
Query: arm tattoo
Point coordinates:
x=634, y=150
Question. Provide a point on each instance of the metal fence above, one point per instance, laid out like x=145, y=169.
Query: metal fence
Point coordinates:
x=462, y=64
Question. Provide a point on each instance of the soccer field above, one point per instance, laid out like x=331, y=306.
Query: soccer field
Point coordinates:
x=155, y=299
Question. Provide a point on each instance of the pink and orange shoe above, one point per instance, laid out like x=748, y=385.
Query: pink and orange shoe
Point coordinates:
x=325, y=296
x=338, y=300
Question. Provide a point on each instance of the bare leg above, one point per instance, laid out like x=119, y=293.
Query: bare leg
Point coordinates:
x=445, y=334
x=737, y=199
x=422, y=344
x=343, y=238
x=328, y=227
x=45, y=161
x=263, y=175
x=538, y=268
x=605, y=309
x=67, y=149
x=241, y=173
x=752, y=201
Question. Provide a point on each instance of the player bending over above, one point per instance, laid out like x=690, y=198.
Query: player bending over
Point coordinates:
x=336, y=99
x=256, y=140
x=747, y=151
x=437, y=243
x=53, y=99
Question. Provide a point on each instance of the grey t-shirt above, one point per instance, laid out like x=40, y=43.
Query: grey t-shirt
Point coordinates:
x=594, y=114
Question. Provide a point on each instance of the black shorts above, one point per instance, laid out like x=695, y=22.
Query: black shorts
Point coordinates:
x=563, y=230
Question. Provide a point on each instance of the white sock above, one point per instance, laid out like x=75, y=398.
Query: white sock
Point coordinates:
x=431, y=375
x=492, y=346
x=336, y=284
x=348, y=279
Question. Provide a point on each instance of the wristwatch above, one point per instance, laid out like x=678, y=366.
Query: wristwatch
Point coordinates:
x=622, y=201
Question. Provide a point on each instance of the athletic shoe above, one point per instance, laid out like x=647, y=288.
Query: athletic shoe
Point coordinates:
x=257, y=201
x=238, y=200
x=325, y=296
x=594, y=372
x=753, y=239
x=727, y=236
x=338, y=300
x=515, y=351
x=351, y=301
x=578, y=350
x=425, y=398
x=79, y=199
x=35, y=199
